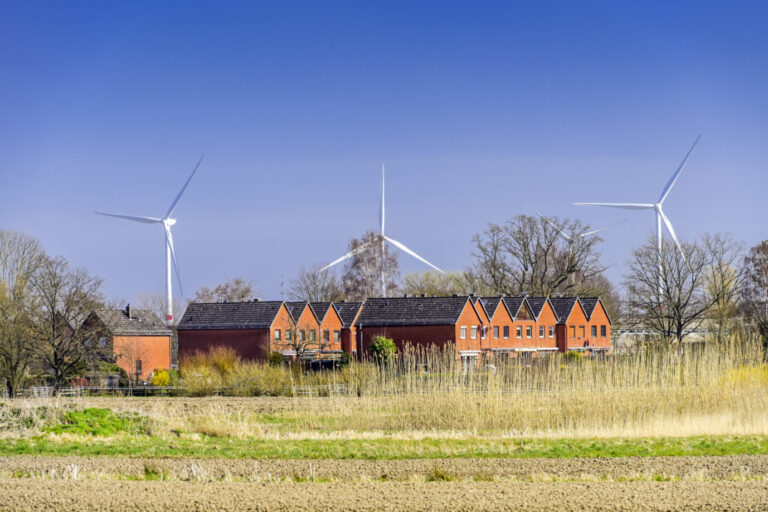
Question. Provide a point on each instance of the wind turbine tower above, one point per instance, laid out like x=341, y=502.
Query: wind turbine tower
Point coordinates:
x=170, y=253
x=383, y=240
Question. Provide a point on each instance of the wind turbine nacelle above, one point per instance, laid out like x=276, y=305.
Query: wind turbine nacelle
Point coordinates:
x=170, y=222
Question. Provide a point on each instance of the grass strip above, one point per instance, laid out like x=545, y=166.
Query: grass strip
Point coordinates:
x=386, y=449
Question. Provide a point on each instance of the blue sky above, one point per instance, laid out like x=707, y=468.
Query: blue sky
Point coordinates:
x=480, y=110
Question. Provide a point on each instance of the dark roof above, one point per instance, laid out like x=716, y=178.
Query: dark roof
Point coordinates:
x=513, y=305
x=563, y=307
x=536, y=304
x=412, y=311
x=589, y=304
x=320, y=309
x=490, y=303
x=230, y=315
x=142, y=322
x=296, y=309
x=347, y=311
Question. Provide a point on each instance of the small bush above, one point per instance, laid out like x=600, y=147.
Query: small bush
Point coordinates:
x=572, y=356
x=383, y=350
x=160, y=378
x=99, y=422
x=276, y=359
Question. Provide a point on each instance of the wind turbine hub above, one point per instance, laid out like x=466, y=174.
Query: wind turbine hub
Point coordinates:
x=169, y=222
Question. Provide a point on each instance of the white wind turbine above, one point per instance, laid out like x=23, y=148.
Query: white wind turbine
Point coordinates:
x=170, y=253
x=384, y=238
x=569, y=238
x=657, y=207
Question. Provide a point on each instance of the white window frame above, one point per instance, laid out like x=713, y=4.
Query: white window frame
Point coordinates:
x=495, y=332
x=542, y=331
x=551, y=331
x=278, y=335
x=473, y=332
x=603, y=331
x=519, y=332
x=506, y=332
x=463, y=332
x=528, y=332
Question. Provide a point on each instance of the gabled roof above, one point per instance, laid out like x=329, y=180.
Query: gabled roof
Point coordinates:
x=590, y=303
x=563, y=307
x=230, y=315
x=491, y=303
x=347, y=312
x=478, y=302
x=142, y=322
x=412, y=311
x=320, y=309
x=296, y=308
x=536, y=304
x=513, y=305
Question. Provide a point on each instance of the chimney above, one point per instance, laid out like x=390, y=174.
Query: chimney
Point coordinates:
x=128, y=311
x=343, y=301
x=524, y=294
x=558, y=294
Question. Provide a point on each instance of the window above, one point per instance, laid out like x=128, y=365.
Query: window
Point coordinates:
x=312, y=335
x=542, y=333
x=278, y=335
x=302, y=335
x=602, y=331
x=468, y=363
x=581, y=331
x=138, y=366
x=473, y=332
x=528, y=331
x=506, y=332
x=483, y=331
x=573, y=331
x=326, y=335
x=519, y=331
x=288, y=334
x=551, y=331
x=463, y=332
x=495, y=332
x=336, y=335
x=594, y=331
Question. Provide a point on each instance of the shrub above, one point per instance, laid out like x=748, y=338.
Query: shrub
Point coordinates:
x=160, y=378
x=572, y=356
x=276, y=359
x=383, y=350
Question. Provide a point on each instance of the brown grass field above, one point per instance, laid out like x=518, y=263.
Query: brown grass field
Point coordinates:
x=661, y=430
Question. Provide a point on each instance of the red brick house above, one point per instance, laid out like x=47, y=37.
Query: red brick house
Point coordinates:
x=424, y=321
x=581, y=324
x=249, y=328
x=140, y=342
x=306, y=325
x=349, y=313
x=330, y=324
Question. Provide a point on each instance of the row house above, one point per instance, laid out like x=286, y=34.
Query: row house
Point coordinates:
x=138, y=340
x=349, y=313
x=255, y=329
x=583, y=324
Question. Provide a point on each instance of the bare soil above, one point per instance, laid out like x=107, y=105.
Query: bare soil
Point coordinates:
x=699, y=468
x=26, y=494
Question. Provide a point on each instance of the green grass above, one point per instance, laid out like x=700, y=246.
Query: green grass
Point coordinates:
x=381, y=449
x=99, y=422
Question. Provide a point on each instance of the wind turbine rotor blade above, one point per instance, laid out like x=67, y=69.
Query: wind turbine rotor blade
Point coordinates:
x=625, y=206
x=590, y=233
x=169, y=241
x=673, y=235
x=181, y=192
x=145, y=220
x=673, y=179
x=404, y=248
x=345, y=257
x=553, y=225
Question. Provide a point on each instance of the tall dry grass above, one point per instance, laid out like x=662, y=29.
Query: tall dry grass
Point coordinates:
x=659, y=391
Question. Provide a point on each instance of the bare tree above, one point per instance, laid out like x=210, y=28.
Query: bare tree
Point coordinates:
x=315, y=285
x=20, y=257
x=156, y=302
x=233, y=290
x=362, y=275
x=690, y=286
x=64, y=297
x=601, y=286
x=303, y=341
x=430, y=283
x=754, y=293
x=527, y=254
